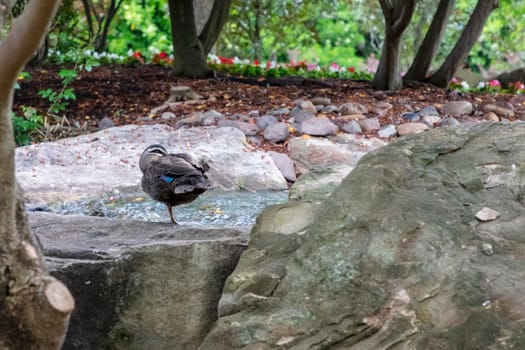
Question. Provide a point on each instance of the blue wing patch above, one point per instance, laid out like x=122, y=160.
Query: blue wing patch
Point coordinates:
x=167, y=178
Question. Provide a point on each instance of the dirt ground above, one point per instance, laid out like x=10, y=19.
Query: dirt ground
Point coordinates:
x=127, y=94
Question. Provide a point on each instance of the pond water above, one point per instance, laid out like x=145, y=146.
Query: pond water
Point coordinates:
x=233, y=208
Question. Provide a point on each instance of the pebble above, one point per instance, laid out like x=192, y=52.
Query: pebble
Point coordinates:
x=487, y=249
x=411, y=128
x=168, y=116
x=429, y=111
x=330, y=109
x=347, y=118
x=306, y=106
x=265, y=121
x=352, y=108
x=380, y=108
x=320, y=126
x=277, y=132
x=212, y=115
x=301, y=115
x=431, y=121
x=491, y=117
x=324, y=101
x=369, y=125
x=387, y=131
x=254, y=114
x=500, y=111
x=248, y=129
x=280, y=111
x=105, y=123
x=457, y=108
x=285, y=165
x=449, y=121
x=412, y=116
x=487, y=214
x=352, y=127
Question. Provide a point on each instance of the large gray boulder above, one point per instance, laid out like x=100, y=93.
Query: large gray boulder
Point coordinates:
x=409, y=252
x=138, y=285
x=107, y=161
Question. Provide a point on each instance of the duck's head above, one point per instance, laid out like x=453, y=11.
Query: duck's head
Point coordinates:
x=150, y=154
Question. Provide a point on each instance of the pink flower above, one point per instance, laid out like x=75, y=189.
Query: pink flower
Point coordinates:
x=494, y=83
x=311, y=67
x=454, y=80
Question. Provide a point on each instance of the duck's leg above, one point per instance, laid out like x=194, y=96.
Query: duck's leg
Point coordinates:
x=171, y=214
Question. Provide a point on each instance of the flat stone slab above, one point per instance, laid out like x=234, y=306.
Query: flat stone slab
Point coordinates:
x=107, y=161
x=136, y=284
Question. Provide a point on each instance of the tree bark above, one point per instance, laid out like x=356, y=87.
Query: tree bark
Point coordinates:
x=398, y=14
x=189, y=49
x=35, y=307
x=466, y=41
x=212, y=29
x=430, y=45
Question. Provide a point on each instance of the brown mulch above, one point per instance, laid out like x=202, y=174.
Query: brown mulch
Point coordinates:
x=127, y=94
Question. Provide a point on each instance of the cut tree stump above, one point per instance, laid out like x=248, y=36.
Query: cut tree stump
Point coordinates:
x=183, y=93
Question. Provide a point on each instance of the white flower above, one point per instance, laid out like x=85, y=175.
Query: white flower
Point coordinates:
x=130, y=52
x=465, y=85
x=481, y=85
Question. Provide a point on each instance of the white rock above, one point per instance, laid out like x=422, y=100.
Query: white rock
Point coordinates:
x=387, y=131
x=487, y=214
x=102, y=162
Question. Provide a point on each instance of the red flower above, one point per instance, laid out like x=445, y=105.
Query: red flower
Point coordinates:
x=226, y=60
x=162, y=54
x=256, y=62
x=137, y=54
x=351, y=69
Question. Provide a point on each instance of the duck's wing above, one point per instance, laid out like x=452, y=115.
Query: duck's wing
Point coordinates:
x=171, y=167
x=203, y=167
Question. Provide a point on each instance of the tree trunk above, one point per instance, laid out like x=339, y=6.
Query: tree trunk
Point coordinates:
x=35, y=307
x=398, y=14
x=212, y=29
x=466, y=41
x=189, y=49
x=430, y=45
x=388, y=74
x=104, y=24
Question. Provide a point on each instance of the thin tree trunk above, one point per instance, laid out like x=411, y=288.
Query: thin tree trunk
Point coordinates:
x=468, y=38
x=397, y=17
x=35, y=307
x=430, y=45
x=87, y=12
x=104, y=24
x=212, y=29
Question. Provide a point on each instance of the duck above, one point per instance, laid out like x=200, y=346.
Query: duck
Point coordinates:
x=172, y=178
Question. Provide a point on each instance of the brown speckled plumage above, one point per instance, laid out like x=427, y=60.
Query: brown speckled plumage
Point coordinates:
x=172, y=178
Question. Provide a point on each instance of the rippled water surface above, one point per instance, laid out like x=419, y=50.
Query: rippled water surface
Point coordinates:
x=236, y=208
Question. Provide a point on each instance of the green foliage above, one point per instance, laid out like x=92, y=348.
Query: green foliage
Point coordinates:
x=141, y=26
x=25, y=126
x=338, y=36
x=59, y=99
x=270, y=29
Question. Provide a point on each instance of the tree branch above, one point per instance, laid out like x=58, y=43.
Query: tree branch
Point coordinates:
x=25, y=37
